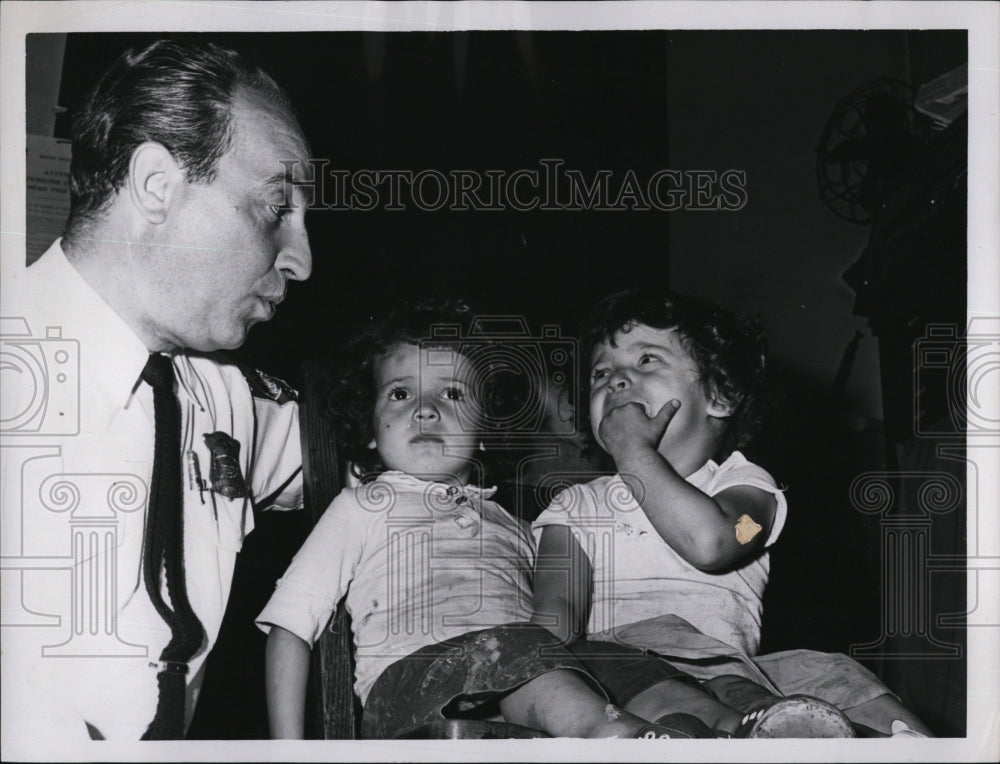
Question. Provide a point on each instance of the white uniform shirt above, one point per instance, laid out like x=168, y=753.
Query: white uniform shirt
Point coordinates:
x=79, y=630
x=420, y=563
x=638, y=576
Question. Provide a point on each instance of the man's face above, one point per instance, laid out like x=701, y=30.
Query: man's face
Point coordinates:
x=423, y=412
x=230, y=247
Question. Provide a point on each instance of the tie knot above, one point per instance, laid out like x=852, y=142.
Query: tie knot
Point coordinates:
x=158, y=372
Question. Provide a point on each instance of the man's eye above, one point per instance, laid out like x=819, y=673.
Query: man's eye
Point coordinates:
x=279, y=211
x=398, y=394
x=454, y=394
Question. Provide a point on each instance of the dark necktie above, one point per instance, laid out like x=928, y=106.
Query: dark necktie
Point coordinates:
x=163, y=550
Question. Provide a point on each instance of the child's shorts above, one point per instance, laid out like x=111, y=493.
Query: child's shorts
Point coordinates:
x=833, y=677
x=452, y=678
x=625, y=671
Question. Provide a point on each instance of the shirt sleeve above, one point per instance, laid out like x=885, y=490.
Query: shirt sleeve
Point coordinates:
x=556, y=513
x=573, y=507
x=277, y=469
x=738, y=471
x=319, y=575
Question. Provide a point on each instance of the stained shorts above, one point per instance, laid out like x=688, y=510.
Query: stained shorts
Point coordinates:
x=461, y=675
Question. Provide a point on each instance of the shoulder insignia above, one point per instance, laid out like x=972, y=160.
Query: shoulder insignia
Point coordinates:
x=263, y=385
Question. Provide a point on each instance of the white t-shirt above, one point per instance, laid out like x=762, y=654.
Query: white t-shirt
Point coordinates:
x=638, y=576
x=420, y=562
x=79, y=631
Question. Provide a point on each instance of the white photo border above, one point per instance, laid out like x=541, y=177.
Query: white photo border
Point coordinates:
x=980, y=19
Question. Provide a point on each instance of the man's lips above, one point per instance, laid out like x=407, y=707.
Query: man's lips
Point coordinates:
x=271, y=303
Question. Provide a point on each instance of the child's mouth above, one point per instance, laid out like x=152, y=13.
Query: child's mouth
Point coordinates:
x=426, y=438
x=613, y=404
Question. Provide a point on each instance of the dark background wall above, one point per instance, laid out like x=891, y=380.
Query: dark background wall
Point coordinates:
x=760, y=101
x=752, y=101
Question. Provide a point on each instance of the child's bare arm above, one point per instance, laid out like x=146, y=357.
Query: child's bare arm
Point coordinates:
x=562, y=586
x=709, y=532
x=286, y=673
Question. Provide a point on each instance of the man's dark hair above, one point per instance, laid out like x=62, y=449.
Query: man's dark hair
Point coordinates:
x=730, y=353
x=173, y=93
x=441, y=324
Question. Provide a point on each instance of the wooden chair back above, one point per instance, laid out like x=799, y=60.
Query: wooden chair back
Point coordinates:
x=334, y=709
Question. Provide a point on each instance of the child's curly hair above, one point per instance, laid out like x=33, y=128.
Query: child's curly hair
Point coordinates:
x=730, y=353
x=446, y=324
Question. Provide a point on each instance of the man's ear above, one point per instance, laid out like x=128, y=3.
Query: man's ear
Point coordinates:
x=372, y=444
x=153, y=178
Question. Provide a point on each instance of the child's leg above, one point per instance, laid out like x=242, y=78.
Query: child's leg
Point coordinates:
x=879, y=714
x=768, y=715
x=562, y=704
x=652, y=687
x=738, y=692
x=843, y=682
x=760, y=714
x=676, y=695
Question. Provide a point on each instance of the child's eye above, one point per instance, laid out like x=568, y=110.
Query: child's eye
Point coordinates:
x=454, y=394
x=648, y=358
x=399, y=394
x=598, y=374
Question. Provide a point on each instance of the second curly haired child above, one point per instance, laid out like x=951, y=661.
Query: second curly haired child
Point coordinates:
x=670, y=553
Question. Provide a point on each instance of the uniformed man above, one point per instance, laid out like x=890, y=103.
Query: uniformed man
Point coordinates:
x=185, y=230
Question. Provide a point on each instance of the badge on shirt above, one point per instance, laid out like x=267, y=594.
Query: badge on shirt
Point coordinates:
x=224, y=473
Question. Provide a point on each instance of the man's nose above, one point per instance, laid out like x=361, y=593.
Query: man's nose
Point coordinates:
x=295, y=259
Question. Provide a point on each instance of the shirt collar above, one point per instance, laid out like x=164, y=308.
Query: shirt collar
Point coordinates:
x=108, y=346
x=114, y=353
x=703, y=473
x=402, y=479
